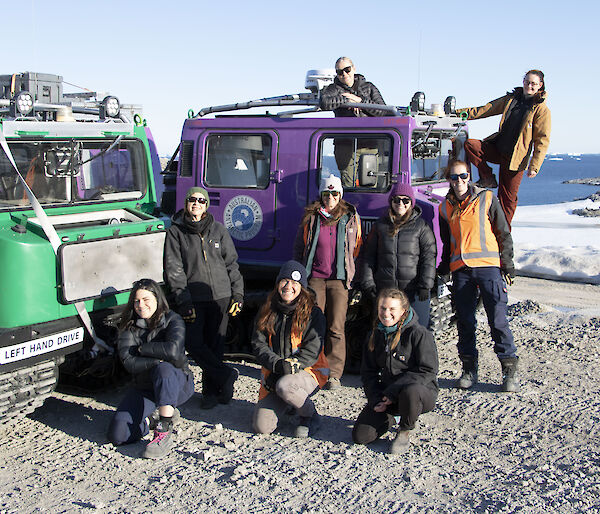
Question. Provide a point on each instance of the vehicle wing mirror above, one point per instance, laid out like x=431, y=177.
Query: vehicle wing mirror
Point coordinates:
x=367, y=175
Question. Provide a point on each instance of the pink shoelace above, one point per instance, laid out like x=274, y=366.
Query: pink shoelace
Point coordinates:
x=158, y=437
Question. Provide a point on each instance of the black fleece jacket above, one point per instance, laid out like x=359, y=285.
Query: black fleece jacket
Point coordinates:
x=332, y=99
x=141, y=349
x=413, y=361
x=201, y=267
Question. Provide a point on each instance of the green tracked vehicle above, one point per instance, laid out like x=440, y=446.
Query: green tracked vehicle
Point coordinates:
x=77, y=228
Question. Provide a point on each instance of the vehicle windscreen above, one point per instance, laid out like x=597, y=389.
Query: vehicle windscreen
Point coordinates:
x=73, y=171
x=430, y=153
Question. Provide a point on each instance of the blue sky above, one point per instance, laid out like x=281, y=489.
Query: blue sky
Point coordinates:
x=173, y=56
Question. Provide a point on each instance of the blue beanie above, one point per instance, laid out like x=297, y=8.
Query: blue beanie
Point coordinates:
x=295, y=271
x=402, y=189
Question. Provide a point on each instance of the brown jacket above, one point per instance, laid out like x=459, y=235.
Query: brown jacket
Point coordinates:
x=535, y=131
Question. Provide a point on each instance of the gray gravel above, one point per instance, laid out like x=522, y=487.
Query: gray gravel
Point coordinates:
x=478, y=451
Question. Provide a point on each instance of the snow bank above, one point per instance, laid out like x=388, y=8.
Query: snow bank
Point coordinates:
x=552, y=242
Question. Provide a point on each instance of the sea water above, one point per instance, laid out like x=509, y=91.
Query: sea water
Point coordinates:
x=548, y=188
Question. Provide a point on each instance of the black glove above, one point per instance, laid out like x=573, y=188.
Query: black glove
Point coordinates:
x=423, y=294
x=370, y=293
x=187, y=312
x=282, y=367
x=443, y=269
x=355, y=297
x=271, y=382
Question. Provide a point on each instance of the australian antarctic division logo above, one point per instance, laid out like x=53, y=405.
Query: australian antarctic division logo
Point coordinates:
x=243, y=217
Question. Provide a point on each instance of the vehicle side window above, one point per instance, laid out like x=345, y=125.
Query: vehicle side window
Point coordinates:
x=238, y=160
x=430, y=156
x=362, y=162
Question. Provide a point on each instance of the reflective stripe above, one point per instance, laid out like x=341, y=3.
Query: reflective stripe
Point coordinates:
x=482, y=218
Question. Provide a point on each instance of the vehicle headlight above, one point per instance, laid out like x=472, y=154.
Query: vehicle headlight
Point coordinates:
x=418, y=102
x=110, y=107
x=450, y=105
x=22, y=104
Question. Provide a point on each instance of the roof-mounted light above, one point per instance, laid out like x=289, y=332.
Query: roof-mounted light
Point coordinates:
x=450, y=105
x=21, y=104
x=110, y=107
x=418, y=102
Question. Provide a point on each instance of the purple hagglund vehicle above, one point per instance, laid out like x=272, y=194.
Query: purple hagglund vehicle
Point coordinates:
x=261, y=171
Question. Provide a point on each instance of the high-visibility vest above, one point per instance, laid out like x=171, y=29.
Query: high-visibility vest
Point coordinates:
x=319, y=370
x=472, y=242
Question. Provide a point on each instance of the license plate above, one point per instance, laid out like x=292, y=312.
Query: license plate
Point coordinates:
x=42, y=345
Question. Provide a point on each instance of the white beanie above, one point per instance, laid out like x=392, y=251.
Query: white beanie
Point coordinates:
x=331, y=183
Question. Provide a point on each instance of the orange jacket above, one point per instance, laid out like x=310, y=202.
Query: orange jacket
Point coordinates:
x=478, y=235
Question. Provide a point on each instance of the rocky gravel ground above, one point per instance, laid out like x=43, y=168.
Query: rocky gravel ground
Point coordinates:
x=478, y=451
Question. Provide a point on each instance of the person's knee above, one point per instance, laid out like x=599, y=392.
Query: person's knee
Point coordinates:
x=163, y=370
x=264, y=421
x=363, y=434
x=118, y=432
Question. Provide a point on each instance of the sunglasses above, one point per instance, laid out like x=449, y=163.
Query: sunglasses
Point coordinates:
x=193, y=199
x=401, y=199
x=346, y=70
x=335, y=194
x=455, y=176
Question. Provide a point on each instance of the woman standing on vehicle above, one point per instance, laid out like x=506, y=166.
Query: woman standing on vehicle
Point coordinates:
x=400, y=252
x=288, y=343
x=201, y=268
x=152, y=348
x=327, y=243
x=399, y=370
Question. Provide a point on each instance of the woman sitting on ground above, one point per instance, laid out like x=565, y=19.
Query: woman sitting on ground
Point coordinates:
x=152, y=348
x=288, y=343
x=399, y=369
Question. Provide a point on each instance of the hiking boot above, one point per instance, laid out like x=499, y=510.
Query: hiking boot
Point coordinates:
x=400, y=443
x=160, y=445
x=226, y=393
x=510, y=380
x=154, y=418
x=308, y=426
x=492, y=183
x=208, y=401
x=469, y=374
x=332, y=383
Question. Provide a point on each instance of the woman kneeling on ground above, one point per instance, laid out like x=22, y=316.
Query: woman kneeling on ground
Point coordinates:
x=288, y=343
x=152, y=348
x=399, y=369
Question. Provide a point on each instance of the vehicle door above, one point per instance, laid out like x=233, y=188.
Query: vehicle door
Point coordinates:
x=239, y=171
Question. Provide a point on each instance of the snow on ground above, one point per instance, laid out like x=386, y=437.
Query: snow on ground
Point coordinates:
x=552, y=242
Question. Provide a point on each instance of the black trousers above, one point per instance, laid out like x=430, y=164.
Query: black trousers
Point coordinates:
x=205, y=343
x=413, y=400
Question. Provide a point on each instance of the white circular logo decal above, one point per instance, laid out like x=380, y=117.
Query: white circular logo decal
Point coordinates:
x=296, y=276
x=243, y=217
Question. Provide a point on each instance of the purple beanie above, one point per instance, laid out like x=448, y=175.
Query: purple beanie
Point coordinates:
x=402, y=189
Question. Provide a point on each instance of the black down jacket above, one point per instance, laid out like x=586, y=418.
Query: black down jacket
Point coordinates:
x=141, y=349
x=201, y=267
x=332, y=99
x=413, y=361
x=405, y=261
